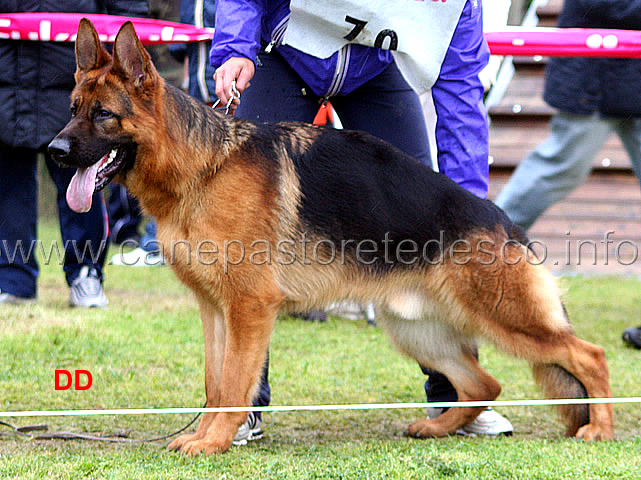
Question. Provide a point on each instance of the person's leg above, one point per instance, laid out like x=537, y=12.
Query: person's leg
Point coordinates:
x=556, y=167
x=84, y=237
x=18, y=220
x=148, y=241
x=276, y=94
x=389, y=109
x=629, y=130
x=438, y=388
x=264, y=393
x=252, y=429
x=124, y=215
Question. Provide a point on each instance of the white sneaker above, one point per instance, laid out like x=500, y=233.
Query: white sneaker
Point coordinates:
x=248, y=431
x=489, y=423
x=138, y=258
x=9, y=299
x=86, y=290
x=348, y=310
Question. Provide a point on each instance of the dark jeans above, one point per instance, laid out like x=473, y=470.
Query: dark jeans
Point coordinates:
x=264, y=393
x=438, y=388
x=124, y=215
x=84, y=235
x=385, y=106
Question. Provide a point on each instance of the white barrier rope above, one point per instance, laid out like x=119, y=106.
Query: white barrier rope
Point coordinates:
x=296, y=408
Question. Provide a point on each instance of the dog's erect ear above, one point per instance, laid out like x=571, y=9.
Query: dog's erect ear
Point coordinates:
x=90, y=54
x=131, y=60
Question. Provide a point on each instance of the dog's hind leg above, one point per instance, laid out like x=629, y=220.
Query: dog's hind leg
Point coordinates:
x=214, y=338
x=472, y=383
x=564, y=365
x=517, y=305
x=573, y=368
x=249, y=320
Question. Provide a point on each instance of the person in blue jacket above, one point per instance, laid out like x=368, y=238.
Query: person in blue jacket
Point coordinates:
x=367, y=90
x=36, y=79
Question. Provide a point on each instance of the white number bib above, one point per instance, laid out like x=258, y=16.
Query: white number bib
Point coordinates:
x=417, y=31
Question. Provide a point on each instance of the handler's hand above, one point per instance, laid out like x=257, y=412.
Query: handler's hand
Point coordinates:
x=240, y=69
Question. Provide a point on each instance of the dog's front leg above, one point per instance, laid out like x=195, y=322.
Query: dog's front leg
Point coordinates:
x=214, y=337
x=249, y=321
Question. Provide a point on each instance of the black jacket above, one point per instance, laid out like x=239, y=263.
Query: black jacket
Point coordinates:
x=36, y=78
x=610, y=86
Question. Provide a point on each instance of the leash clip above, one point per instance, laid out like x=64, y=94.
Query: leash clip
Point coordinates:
x=235, y=94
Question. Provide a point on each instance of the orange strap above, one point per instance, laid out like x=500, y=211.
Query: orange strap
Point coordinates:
x=324, y=115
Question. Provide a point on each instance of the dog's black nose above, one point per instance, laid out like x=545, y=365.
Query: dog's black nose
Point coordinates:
x=59, y=148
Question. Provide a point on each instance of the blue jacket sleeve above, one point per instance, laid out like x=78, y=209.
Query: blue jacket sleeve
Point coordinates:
x=461, y=125
x=238, y=30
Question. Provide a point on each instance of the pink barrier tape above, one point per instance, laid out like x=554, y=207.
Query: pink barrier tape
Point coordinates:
x=565, y=42
x=519, y=41
x=62, y=27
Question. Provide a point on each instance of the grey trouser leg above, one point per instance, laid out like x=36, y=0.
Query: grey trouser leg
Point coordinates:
x=556, y=167
x=629, y=130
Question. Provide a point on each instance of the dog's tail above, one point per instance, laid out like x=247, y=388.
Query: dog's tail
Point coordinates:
x=557, y=382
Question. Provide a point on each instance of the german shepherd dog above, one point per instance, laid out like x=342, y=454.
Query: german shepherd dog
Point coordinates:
x=293, y=217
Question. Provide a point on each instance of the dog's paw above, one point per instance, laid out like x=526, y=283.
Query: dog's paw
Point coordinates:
x=178, y=443
x=424, y=428
x=595, y=433
x=205, y=446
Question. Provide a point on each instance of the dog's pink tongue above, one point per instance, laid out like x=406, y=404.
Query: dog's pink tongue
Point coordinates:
x=81, y=188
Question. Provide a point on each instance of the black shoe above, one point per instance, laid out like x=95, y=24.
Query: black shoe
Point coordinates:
x=312, y=316
x=632, y=336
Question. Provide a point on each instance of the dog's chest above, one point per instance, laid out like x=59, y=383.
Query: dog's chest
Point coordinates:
x=195, y=261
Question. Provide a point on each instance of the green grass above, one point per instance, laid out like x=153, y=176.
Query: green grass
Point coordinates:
x=146, y=351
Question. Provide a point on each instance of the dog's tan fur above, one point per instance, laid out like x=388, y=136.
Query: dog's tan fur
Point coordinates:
x=208, y=183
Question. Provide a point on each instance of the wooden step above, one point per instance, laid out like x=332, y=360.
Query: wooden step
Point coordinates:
x=551, y=9
x=569, y=233
x=524, y=96
x=536, y=62
x=549, y=14
x=597, y=209
x=586, y=228
x=513, y=137
x=522, y=107
x=600, y=186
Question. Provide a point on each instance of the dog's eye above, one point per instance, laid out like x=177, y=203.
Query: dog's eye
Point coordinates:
x=102, y=114
x=74, y=110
